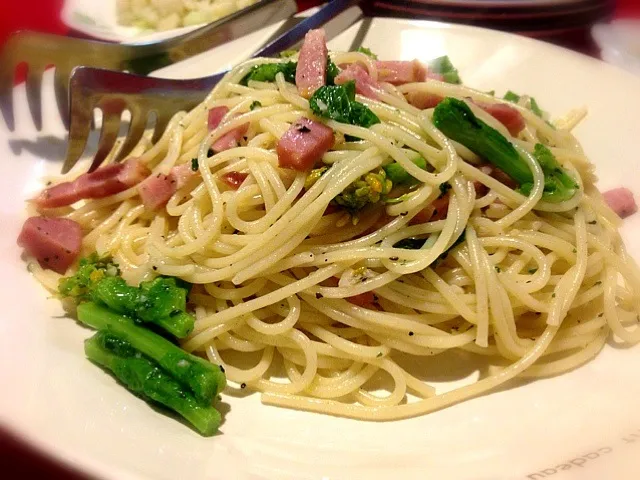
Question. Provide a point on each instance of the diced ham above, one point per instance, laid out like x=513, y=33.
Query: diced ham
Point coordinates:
x=506, y=115
x=156, y=190
x=365, y=85
x=621, y=201
x=365, y=300
x=480, y=188
x=230, y=139
x=216, y=114
x=423, y=100
x=234, y=179
x=182, y=174
x=304, y=144
x=435, y=211
x=311, y=72
x=433, y=76
x=104, y=182
x=54, y=242
x=401, y=72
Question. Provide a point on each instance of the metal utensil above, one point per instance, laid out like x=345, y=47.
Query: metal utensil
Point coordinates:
x=41, y=50
x=115, y=92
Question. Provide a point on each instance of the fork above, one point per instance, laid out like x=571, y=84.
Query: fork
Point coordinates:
x=115, y=92
x=40, y=51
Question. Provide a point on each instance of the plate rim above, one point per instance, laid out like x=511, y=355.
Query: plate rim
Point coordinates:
x=87, y=464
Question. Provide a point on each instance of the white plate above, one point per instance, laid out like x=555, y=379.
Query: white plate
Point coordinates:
x=98, y=19
x=581, y=425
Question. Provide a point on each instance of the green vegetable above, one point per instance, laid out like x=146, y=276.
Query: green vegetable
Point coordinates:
x=314, y=176
x=559, y=186
x=367, y=52
x=204, y=379
x=533, y=105
x=91, y=270
x=332, y=72
x=159, y=301
x=162, y=301
x=410, y=243
x=535, y=108
x=512, y=97
x=399, y=176
x=338, y=103
x=267, y=72
x=255, y=104
x=456, y=120
x=148, y=380
x=444, y=188
x=368, y=189
x=444, y=67
x=194, y=164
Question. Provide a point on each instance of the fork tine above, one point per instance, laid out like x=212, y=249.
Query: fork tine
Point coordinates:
x=82, y=106
x=61, y=88
x=33, y=86
x=162, y=120
x=136, y=130
x=6, y=96
x=111, y=115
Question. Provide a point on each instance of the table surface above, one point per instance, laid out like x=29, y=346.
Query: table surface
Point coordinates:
x=18, y=460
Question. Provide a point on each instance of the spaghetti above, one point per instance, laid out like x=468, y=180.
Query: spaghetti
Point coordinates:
x=324, y=304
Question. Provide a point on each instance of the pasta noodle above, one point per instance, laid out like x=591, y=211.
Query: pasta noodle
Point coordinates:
x=534, y=288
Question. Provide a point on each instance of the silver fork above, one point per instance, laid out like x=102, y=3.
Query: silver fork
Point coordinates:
x=40, y=51
x=114, y=92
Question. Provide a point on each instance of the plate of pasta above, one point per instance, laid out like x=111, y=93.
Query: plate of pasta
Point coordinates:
x=403, y=257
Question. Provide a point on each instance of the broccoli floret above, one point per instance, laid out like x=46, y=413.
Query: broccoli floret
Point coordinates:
x=91, y=270
x=161, y=301
x=456, y=120
x=368, y=189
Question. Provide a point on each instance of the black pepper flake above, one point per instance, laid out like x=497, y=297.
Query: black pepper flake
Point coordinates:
x=221, y=368
x=393, y=259
x=68, y=252
x=318, y=296
x=600, y=315
x=598, y=283
x=375, y=297
x=379, y=355
x=154, y=267
x=593, y=222
x=411, y=334
x=210, y=152
x=49, y=183
x=575, y=251
x=403, y=214
x=435, y=212
x=46, y=259
x=303, y=129
x=158, y=175
x=553, y=295
x=243, y=385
